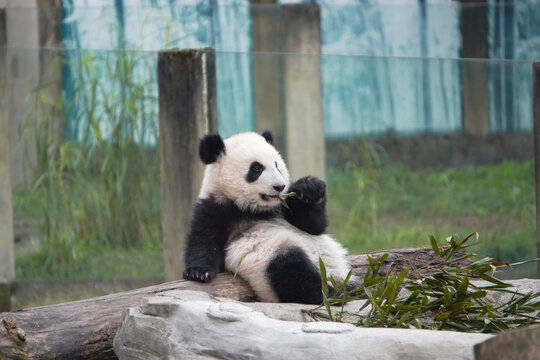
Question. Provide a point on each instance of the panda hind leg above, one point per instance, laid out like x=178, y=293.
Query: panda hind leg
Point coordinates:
x=294, y=278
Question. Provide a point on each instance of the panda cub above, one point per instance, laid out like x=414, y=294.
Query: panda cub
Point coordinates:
x=239, y=223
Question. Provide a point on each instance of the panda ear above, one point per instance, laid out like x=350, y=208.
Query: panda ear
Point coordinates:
x=267, y=134
x=210, y=147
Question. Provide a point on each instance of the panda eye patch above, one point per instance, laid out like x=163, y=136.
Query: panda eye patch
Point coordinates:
x=255, y=170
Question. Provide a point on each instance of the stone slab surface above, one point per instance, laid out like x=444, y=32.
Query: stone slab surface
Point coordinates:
x=193, y=325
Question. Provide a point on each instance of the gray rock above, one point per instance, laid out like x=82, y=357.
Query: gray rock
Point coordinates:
x=194, y=325
x=523, y=286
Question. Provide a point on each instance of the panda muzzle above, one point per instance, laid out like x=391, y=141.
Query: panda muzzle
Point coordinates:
x=269, y=197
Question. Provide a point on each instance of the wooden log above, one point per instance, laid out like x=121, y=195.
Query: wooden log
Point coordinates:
x=86, y=329
x=5, y=296
x=522, y=343
x=187, y=111
x=420, y=261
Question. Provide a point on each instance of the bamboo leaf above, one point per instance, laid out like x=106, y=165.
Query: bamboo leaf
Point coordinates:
x=324, y=278
x=434, y=244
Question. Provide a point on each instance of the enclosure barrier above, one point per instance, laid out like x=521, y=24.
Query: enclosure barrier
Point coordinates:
x=187, y=102
x=187, y=111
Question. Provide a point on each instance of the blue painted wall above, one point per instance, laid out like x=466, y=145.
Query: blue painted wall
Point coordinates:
x=386, y=65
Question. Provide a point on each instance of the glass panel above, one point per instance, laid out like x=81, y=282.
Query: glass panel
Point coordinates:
x=417, y=140
x=85, y=170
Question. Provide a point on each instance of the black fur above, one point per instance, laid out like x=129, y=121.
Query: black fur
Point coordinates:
x=293, y=277
x=307, y=210
x=211, y=225
x=255, y=170
x=267, y=134
x=291, y=274
x=210, y=147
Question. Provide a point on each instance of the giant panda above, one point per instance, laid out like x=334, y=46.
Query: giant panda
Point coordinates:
x=240, y=225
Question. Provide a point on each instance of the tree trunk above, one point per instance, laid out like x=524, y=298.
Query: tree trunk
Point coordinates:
x=85, y=329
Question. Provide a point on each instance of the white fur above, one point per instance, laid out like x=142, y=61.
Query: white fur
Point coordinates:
x=251, y=252
x=225, y=179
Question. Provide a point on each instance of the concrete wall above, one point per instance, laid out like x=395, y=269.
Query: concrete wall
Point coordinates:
x=435, y=151
x=266, y=68
x=302, y=90
x=24, y=27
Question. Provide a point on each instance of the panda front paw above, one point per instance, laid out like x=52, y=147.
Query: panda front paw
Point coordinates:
x=310, y=190
x=199, y=273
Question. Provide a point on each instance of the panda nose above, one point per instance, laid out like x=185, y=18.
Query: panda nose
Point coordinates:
x=279, y=187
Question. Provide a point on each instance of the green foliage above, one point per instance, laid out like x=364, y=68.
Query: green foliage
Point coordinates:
x=99, y=189
x=447, y=300
x=383, y=205
x=104, y=263
x=98, y=192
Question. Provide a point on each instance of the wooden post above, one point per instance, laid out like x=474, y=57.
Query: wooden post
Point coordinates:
x=5, y=296
x=302, y=90
x=475, y=74
x=265, y=40
x=187, y=111
x=32, y=25
x=536, y=115
x=7, y=253
x=23, y=77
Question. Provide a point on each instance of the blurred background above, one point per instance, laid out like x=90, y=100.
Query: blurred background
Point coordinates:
x=426, y=108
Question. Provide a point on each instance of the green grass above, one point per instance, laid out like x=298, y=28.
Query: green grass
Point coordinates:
x=97, y=199
x=97, y=193
x=104, y=263
x=374, y=208
x=389, y=206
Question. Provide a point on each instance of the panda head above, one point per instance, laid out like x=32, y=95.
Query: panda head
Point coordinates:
x=245, y=169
